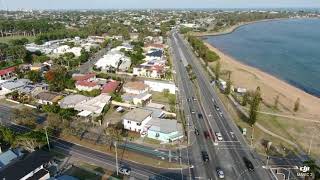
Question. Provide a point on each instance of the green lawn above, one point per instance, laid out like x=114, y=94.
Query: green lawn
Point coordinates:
x=82, y=174
x=8, y=38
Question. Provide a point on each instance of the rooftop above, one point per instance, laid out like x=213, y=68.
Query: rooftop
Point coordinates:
x=83, y=77
x=26, y=165
x=73, y=100
x=94, y=105
x=7, y=70
x=110, y=87
x=137, y=115
x=48, y=96
x=86, y=83
x=163, y=125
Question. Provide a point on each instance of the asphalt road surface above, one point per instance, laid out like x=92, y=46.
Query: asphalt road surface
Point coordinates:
x=228, y=154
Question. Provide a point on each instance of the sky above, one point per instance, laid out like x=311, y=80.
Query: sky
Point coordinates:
x=143, y=4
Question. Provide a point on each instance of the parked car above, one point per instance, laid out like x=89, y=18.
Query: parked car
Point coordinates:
x=196, y=131
x=205, y=156
x=200, y=116
x=189, y=100
x=206, y=134
x=248, y=164
x=194, y=99
x=219, y=136
x=193, y=112
x=220, y=173
x=125, y=170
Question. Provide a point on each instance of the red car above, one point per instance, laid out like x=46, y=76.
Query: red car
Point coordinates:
x=206, y=134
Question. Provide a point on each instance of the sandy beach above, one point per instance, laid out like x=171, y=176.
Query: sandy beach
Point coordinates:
x=250, y=77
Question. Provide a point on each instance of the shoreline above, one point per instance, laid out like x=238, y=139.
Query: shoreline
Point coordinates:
x=250, y=77
x=233, y=28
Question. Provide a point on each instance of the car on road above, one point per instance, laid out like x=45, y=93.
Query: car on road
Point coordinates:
x=194, y=99
x=200, y=116
x=220, y=113
x=206, y=134
x=196, y=131
x=205, y=156
x=248, y=164
x=193, y=112
x=125, y=170
x=220, y=173
x=219, y=136
x=189, y=100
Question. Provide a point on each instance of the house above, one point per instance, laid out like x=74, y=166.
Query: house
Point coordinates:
x=154, y=54
x=136, y=119
x=110, y=87
x=72, y=100
x=84, y=77
x=8, y=157
x=48, y=97
x=142, y=99
x=93, y=106
x=10, y=86
x=33, y=89
x=7, y=73
x=114, y=59
x=164, y=130
x=87, y=85
x=33, y=166
x=160, y=86
x=76, y=51
x=61, y=49
x=149, y=69
x=149, y=47
x=135, y=87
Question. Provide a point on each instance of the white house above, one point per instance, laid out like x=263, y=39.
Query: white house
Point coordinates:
x=94, y=105
x=135, y=87
x=72, y=100
x=10, y=86
x=61, y=49
x=75, y=50
x=114, y=59
x=149, y=70
x=160, y=86
x=136, y=119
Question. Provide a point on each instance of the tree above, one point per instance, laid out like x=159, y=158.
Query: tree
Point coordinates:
x=296, y=105
x=59, y=79
x=25, y=117
x=254, y=106
x=31, y=140
x=34, y=76
x=228, y=88
x=7, y=135
x=217, y=70
x=245, y=99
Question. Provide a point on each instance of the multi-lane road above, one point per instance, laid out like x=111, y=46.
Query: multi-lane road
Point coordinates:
x=227, y=154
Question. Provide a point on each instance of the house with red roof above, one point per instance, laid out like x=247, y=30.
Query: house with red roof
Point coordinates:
x=7, y=73
x=153, y=70
x=84, y=77
x=87, y=85
x=110, y=87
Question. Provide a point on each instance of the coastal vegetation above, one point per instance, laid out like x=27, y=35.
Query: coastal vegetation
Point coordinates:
x=202, y=50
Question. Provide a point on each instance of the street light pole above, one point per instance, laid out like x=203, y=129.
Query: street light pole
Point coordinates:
x=47, y=138
x=117, y=167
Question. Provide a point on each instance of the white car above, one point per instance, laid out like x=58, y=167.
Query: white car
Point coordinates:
x=125, y=170
x=219, y=136
x=220, y=173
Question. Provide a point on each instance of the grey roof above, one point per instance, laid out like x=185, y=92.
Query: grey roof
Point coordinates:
x=47, y=96
x=163, y=125
x=156, y=113
x=19, y=169
x=12, y=85
x=156, y=53
x=72, y=100
x=137, y=115
x=7, y=157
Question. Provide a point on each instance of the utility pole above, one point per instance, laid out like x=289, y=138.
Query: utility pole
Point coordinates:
x=267, y=165
x=47, y=138
x=252, y=136
x=115, y=144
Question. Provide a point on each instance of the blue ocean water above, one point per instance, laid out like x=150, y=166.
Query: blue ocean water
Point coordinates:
x=288, y=49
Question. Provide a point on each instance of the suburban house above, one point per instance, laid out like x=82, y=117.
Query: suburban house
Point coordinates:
x=136, y=119
x=93, y=106
x=114, y=60
x=110, y=87
x=65, y=48
x=84, y=77
x=135, y=87
x=164, y=130
x=8, y=157
x=72, y=100
x=33, y=166
x=33, y=89
x=148, y=47
x=142, y=99
x=149, y=69
x=48, y=98
x=160, y=86
x=154, y=54
x=87, y=85
x=10, y=86
x=7, y=73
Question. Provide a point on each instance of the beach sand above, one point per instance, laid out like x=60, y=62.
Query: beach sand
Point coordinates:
x=250, y=77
